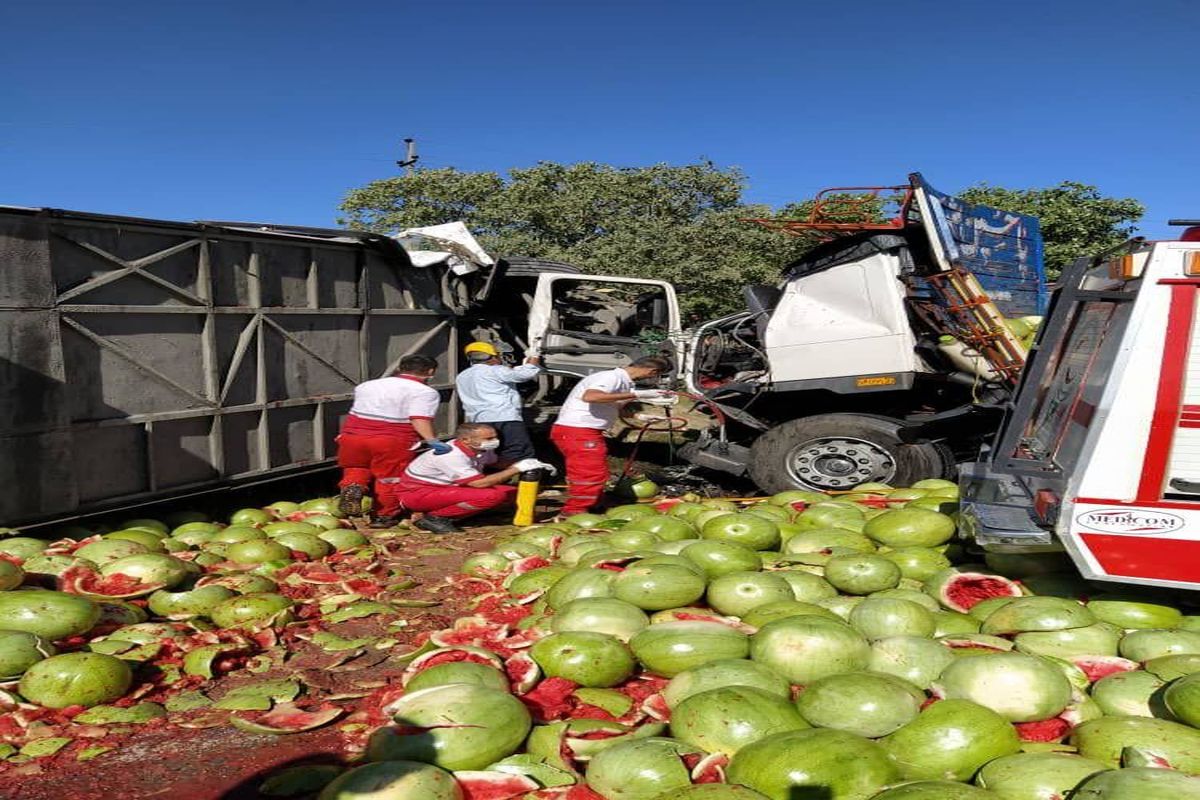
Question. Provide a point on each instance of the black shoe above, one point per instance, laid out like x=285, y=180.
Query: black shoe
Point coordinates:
x=384, y=522
x=437, y=525
x=350, y=500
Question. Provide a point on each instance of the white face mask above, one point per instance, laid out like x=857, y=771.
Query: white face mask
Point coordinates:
x=488, y=444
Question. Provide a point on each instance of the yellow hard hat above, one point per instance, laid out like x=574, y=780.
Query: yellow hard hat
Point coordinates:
x=481, y=347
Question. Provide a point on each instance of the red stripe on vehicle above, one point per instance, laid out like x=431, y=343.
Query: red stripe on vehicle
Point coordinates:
x=1170, y=391
x=1149, y=557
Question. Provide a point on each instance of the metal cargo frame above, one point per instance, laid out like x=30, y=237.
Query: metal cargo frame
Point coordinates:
x=141, y=360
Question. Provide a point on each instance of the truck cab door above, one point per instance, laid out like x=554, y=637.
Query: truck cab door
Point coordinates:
x=580, y=324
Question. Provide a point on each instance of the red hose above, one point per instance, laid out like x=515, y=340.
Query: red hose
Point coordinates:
x=643, y=430
x=701, y=399
x=670, y=426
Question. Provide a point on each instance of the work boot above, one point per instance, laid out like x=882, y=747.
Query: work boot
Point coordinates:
x=350, y=499
x=437, y=524
x=384, y=522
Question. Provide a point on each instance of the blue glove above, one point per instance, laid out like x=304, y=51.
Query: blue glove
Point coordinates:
x=438, y=447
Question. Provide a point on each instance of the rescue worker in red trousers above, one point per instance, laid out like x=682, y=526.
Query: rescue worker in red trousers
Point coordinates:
x=452, y=485
x=591, y=408
x=389, y=419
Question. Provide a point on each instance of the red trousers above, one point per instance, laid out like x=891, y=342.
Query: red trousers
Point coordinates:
x=451, y=502
x=586, y=456
x=364, y=459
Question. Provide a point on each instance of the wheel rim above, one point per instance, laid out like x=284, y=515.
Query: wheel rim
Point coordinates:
x=839, y=463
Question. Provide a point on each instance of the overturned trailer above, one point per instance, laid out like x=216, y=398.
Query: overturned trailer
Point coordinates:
x=144, y=359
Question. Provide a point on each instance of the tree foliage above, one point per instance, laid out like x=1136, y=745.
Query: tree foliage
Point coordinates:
x=684, y=224
x=1076, y=220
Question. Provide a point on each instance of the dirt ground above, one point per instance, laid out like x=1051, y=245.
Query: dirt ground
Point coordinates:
x=224, y=763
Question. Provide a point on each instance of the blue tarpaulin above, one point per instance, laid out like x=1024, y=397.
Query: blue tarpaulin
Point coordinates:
x=1002, y=248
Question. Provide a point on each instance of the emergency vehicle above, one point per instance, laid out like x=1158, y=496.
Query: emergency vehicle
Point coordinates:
x=1100, y=451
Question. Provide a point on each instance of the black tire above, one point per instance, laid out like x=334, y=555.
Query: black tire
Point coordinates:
x=777, y=463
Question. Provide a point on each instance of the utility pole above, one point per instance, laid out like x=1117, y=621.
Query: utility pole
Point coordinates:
x=410, y=156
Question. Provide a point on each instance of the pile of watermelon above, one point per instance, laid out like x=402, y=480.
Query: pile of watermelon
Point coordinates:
x=806, y=645
x=803, y=646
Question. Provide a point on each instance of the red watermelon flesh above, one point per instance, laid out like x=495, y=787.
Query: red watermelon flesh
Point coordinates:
x=707, y=769
x=551, y=699
x=82, y=580
x=964, y=590
x=521, y=566
x=1097, y=667
x=1047, y=730
x=489, y=785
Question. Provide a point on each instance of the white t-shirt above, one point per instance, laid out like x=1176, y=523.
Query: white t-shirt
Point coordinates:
x=395, y=399
x=460, y=465
x=576, y=413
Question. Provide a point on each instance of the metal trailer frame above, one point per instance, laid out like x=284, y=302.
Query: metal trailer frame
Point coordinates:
x=142, y=360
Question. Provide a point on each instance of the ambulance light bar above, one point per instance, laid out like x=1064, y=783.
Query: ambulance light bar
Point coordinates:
x=1192, y=234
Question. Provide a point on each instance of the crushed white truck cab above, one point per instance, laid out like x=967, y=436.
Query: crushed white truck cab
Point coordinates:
x=836, y=377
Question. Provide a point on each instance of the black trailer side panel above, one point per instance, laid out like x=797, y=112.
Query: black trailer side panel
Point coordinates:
x=142, y=359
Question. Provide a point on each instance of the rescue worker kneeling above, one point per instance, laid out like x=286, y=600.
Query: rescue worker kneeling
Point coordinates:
x=450, y=486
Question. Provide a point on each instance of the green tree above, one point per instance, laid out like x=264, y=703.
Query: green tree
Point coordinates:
x=425, y=197
x=684, y=224
x=1076, y=219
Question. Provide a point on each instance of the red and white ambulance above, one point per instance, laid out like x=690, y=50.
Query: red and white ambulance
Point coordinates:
x=1100, y=451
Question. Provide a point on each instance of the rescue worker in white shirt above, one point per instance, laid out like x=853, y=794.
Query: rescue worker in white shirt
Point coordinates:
x=488, y=392
x=591, y=408
x=450, y=486
x=388, y=420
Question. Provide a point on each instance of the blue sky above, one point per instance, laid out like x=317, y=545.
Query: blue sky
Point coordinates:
x=272, y=110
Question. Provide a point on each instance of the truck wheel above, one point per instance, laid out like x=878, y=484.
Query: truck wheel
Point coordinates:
x=836, y=452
